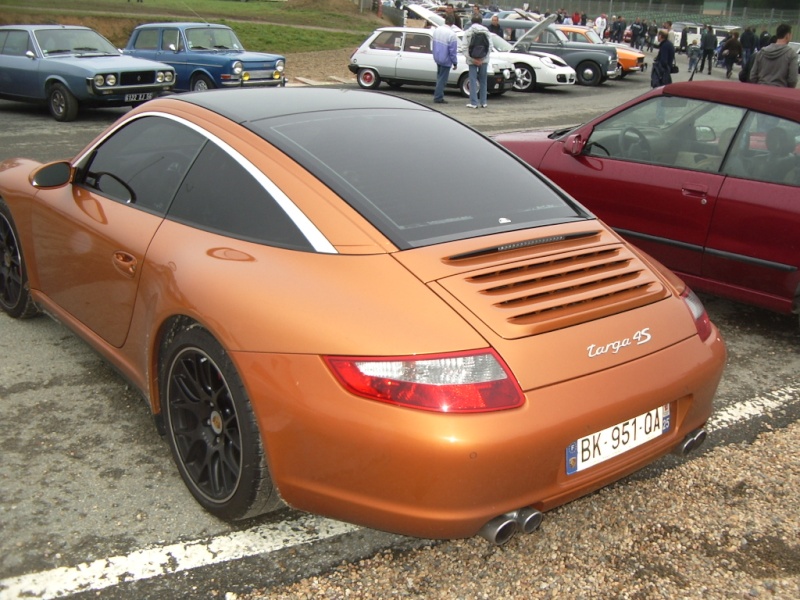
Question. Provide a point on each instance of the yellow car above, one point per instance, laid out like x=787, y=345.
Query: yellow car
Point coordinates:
x=630, y=59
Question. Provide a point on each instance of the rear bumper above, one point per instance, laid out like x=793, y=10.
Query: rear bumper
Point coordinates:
x=444, y=476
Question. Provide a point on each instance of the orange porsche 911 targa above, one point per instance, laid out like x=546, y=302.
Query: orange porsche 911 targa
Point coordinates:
x=356, y=306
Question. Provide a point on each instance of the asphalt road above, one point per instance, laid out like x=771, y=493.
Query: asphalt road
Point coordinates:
x=91, y=503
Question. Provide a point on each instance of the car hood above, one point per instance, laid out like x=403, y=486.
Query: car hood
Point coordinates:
x=99, y=62
x=571, y=299
x=534, y=143
x=244, y=55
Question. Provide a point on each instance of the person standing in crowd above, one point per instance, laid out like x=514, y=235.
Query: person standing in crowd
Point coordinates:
x=621, y=27
x=494, y=26
x=777, y=63
x=708, y=44
x=652, y=32
x=445, y=54
x=662, y=64
x=749, y=43
x=636, y=33
x=731, y=52
x=682, y=47
x=694, y=52
x=764, y=39
x=449, y=14
x=600, y=25
x=478, y=83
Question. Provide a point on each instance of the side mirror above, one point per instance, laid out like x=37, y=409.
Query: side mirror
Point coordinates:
x=574, y=144
x=52, y=175
x=173, y=48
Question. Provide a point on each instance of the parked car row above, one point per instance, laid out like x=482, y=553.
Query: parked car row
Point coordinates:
x=529, y=56
x=68, y=67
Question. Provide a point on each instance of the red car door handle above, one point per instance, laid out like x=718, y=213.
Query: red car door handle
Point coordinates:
x=125, y=263
x=691, y=189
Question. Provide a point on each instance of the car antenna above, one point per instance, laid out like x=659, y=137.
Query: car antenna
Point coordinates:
x=195, y=13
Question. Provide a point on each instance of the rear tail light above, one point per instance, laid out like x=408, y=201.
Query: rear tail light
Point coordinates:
x=699, y=314
x=462, y=382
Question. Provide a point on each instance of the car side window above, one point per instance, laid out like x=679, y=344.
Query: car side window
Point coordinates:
x=171, y=37
x=668, y=131
x=143, y=163
x=387, y=40
x=146, y=40
x=221, y=196
x=417, y=42
x=767, y=148
x=17, y=43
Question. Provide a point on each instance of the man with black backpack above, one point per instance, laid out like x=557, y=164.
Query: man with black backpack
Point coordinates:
x=477, y=46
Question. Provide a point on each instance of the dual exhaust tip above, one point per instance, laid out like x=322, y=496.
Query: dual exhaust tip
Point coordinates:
x=691, y=442
x=501, y=529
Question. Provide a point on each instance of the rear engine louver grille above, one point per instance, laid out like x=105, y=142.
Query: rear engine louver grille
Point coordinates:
x=542, y=294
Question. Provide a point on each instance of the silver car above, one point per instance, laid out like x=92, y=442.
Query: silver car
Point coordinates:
x=403, y=55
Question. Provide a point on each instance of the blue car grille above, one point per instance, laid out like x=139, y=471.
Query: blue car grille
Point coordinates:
x=137, y=78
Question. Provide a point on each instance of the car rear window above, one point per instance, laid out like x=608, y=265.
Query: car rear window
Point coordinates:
x=419, y=177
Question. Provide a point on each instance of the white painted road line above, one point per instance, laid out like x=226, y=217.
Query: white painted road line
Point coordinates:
x=748, y=409
x=174, y=558
x=164, y=560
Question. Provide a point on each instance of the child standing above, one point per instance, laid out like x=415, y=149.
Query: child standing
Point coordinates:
x=694, y=53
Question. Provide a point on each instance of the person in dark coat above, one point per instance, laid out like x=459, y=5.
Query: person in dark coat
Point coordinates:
x=731, y=52
x=662, y=64
x=708, y=43
x=763, y=41
x=749, y=43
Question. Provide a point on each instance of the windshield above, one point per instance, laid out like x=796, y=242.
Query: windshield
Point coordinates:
x=73, y=41
x=500, y=44
x=212, y=38
x=418, y=177
x=592, y=36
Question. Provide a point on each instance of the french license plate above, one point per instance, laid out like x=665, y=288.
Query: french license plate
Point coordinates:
x=613, y=441
x=138, y=97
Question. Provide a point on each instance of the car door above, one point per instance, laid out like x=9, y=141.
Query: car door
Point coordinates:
x=91, y=237
x=384, y=52
x=415, y=62
x=753, y=245
x=19, y=74
x=652, y=173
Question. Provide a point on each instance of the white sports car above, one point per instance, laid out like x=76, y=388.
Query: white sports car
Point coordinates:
x=534, y=69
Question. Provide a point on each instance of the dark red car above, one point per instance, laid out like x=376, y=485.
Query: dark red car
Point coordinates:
x=704, y=176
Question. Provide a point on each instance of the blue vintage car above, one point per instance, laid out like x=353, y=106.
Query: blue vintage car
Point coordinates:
x=205, y=56
x=68, y=67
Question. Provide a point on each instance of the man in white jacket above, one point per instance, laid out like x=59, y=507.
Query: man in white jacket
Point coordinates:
x=600, y=25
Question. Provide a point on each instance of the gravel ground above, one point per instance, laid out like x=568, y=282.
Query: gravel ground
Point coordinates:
x=319, y=66
x=723, y=525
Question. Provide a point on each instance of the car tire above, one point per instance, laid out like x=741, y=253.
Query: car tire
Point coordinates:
x=62, y=103
x=368, y=79
x=463, y=85
x=211, y=428
x=201, y=83
x=526, y=78
x=15, y=296
x=588, y=73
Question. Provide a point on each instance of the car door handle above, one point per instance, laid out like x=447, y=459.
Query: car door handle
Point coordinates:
x=695, y=191
x=125, y=263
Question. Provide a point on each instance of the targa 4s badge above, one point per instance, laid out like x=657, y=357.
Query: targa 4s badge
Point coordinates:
x=637, y=339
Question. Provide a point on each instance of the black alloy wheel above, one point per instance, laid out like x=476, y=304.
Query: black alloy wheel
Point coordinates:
x=212, y=430
x=15, y=297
